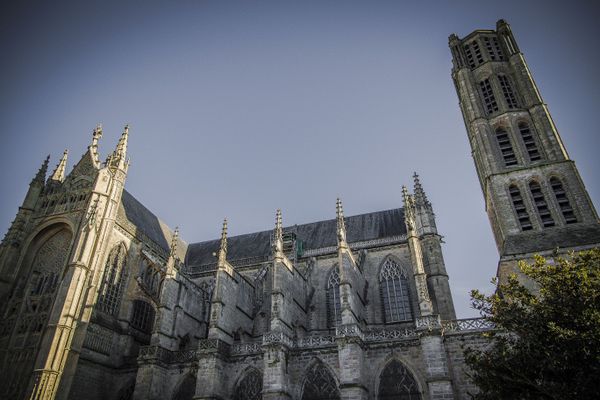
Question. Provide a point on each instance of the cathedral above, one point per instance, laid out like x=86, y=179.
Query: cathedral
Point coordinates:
x=102, y=300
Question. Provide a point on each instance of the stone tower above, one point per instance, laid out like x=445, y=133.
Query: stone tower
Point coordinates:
x=534, y=196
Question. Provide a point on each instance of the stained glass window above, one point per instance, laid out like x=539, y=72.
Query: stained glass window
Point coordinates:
x=393, y=284
x=319, y=384
x=334, y=315
x=397, y=383
x=250, y=387
x=113, y=282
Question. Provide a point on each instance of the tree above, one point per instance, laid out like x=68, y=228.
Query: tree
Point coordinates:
x=546, y=344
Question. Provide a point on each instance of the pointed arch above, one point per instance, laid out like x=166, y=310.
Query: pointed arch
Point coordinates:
x=563, y=201
x=319, y=383
x=397, y=382
x=114, y=280
x=334, y=310
x=249, y=386
x=186, y=388
x=539, y=200
x=395, y=294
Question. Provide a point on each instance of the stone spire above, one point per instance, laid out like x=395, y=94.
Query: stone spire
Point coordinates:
x=420, y=196
x=40, y=177
x=341, y=225
x=96, y=135
x=59, y=172
x=409, y=209
x=174, y=240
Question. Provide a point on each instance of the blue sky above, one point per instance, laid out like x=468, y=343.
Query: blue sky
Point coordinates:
x=240, y=108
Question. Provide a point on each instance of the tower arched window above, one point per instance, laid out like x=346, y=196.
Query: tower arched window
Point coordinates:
x=487, y=93
x=530, y=145
x=393, y=284
x=541, y=205
x=507, y=91
x=334, y=313
x=506, y=148
x=113, y=281
x=563, y=200
x=520, y=209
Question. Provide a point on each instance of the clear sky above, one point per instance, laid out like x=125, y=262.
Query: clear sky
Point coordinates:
x=240, y=108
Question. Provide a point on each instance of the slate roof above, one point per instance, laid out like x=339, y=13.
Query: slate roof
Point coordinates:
x=316, y=235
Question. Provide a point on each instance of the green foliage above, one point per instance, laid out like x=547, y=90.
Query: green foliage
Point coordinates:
x=547, y=343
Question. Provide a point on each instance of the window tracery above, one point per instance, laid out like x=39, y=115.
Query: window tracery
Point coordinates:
x=393, y=284
x=113, y=282
x=250, y=387
x=334, y=314
x=319, y=384
x=397, y=383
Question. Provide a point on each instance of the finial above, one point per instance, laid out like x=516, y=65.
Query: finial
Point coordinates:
x=96, y=135
x=409, y=205
x=118, y=157
x=341, y=226
x=40, y=177
x=174, y=238
x=223, y=247
x=278, y=239
x=59, y=172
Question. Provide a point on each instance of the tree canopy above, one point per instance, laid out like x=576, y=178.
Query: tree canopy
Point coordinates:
x=546, y=344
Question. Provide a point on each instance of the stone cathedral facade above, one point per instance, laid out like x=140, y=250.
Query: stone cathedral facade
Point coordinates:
x=101, y=300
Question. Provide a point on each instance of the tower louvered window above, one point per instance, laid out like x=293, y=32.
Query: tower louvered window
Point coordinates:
x=520, y=209
x=507, y=91
x=541, y=204
x=489, y=101
x=563, y=201
x=334, y=314
x=113, y=282
x=143, y=316
x=473, y=53
x=530, y=145
x=493, y=48
x=393, y=284
x=506, y=148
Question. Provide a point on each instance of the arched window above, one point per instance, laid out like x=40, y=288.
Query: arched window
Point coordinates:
x=143, y=316
x=520, y=209
x=249, y=388
x=507, y=91
x=530, y=146
x=334, y=314
x=319, y=384
x=563, y=201
x=397, y=383
x=540, y=203
x=506, y=148
x=186, y=389
x=113, y=282
x=393, y=284
x=487, y=93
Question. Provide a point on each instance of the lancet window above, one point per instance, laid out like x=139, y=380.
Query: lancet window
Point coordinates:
x=563, y=200
x=250, y=387
x=393, y=284
x=397, y=383
x=541, y=205
x=507, y=91
x=506, y=148
x=489, y=100
x=530, y=145
x=334, y=314
x=113, y=282
x=520, y=209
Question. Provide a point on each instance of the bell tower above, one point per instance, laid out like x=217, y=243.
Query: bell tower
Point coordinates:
x=534, y=196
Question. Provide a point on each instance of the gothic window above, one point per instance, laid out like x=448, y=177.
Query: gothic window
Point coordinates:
x=541, y=205
x=506, y=148
x=393, y=284
x=530, y=146
x=507, y=91
x=563, y=201
x=249, y=388
x=319, y=384
x=520, y=209
x=397, y=383
x=143, y=316
x=334, y=314
x=489, y=101
x=113, y=282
